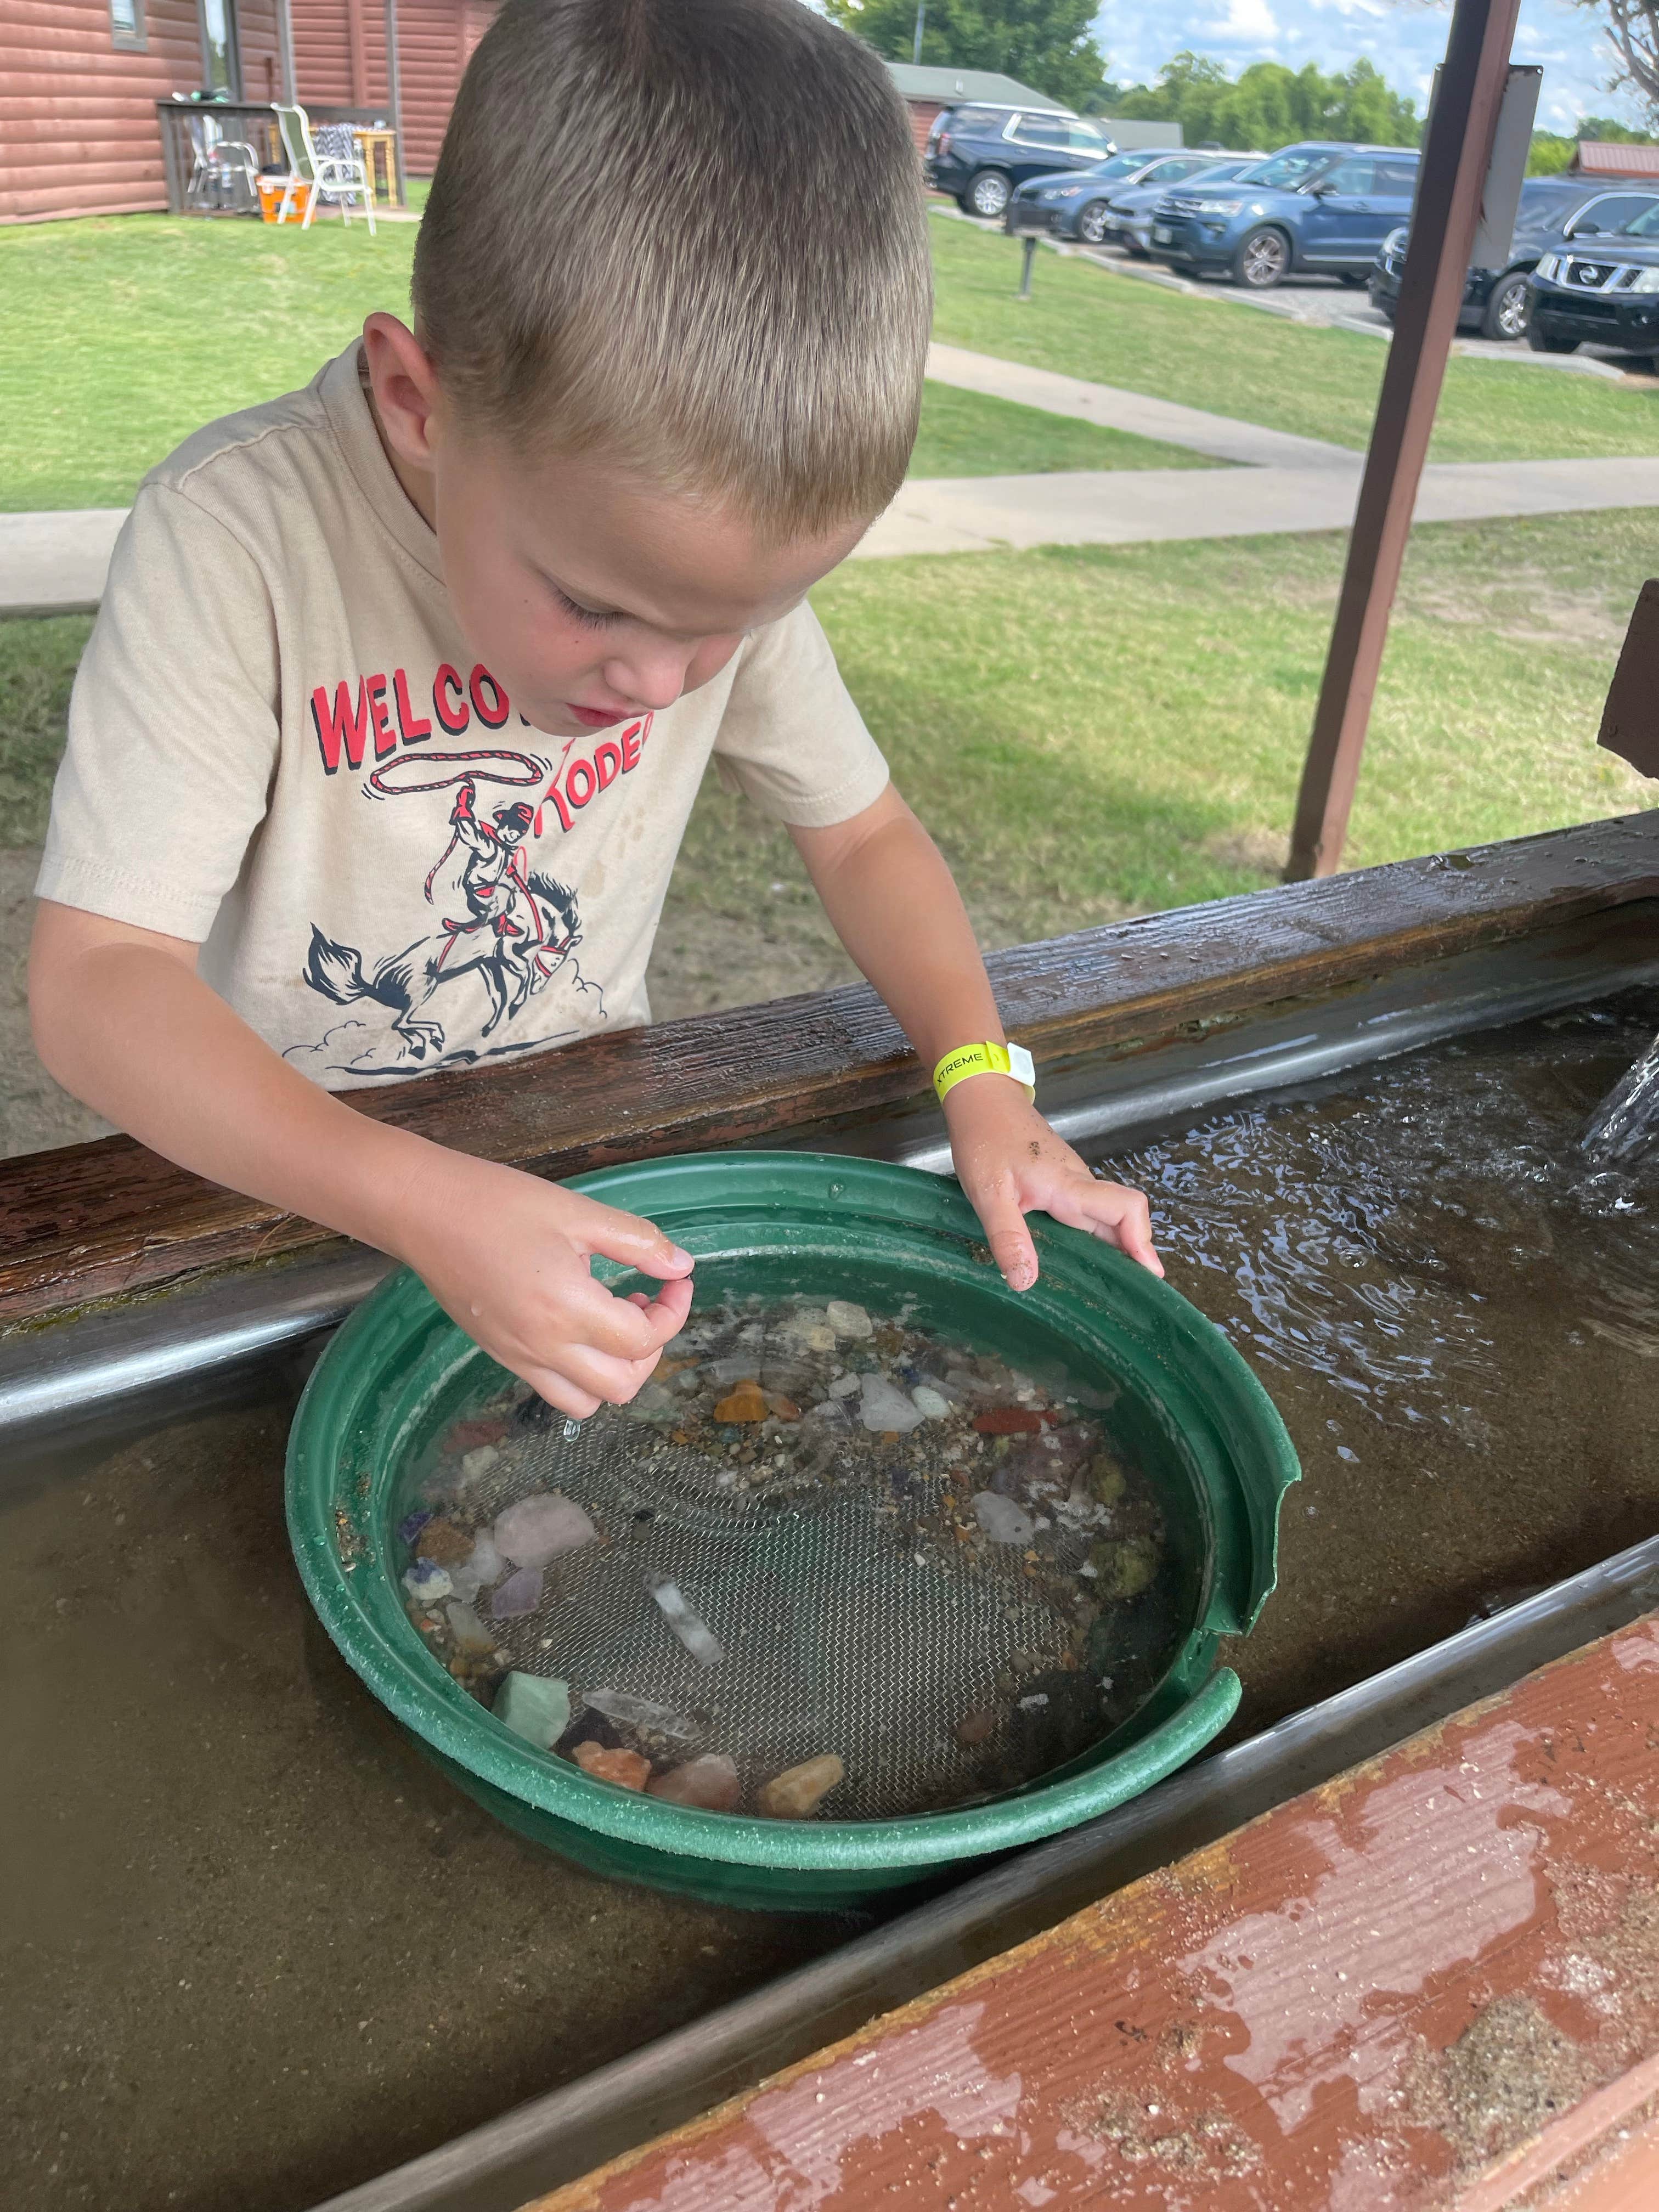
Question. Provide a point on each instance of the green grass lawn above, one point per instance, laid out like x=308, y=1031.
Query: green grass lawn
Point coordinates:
x=1096, y=731
x=139, y=329
x=1235, y=360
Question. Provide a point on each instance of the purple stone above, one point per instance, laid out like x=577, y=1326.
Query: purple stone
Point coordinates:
x=520, y=1593
x=411, y=1525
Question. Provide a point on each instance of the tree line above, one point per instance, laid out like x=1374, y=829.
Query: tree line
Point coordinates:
x=1049, y=45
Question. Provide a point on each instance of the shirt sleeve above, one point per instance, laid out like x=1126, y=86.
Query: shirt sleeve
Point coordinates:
x=791, y=738
x=173, y=732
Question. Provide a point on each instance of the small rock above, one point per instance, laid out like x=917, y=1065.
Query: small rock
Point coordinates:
x=931, y=1404
x=411, y=1525
x=653, y=1401
x=1008, y=1421
x=536, y=1529
x=786, y=1409
x=428, y=1581
x=443, y=1542
x=811, y=1328
x=796, y=1793
x=469, y=1632
x=641, y=1713
x=475, y=1463
x=484, y=1564
x=689, y=1626
x=629, y=1770
x=1035, y=1703
x=847, y=1386
x=1003, y=1522
x=848, y=1320
x=1132, y=1567
x=746, y=1403
x=886, y=1410
x=468, y=1435
x=710, y=1783
x=535, y=1707
x=520, y=1593
x=974, y=1727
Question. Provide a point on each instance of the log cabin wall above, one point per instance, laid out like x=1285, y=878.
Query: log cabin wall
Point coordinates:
x=78, y=134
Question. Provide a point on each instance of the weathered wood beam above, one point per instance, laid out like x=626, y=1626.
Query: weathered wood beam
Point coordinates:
x=100, y=1220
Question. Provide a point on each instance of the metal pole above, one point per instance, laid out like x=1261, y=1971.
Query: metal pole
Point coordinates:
x=285, y=41
x=1456, y=153
x=921, y=17
x=1030, y=246
x=394, y=93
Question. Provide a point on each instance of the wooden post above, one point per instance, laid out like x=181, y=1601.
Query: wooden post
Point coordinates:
x=285, y=42
x=394, y=94
x=1455, y=156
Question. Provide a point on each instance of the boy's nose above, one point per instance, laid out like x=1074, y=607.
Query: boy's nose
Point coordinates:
x=652, y=676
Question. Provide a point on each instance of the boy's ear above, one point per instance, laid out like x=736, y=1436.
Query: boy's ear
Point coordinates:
x=405, y=387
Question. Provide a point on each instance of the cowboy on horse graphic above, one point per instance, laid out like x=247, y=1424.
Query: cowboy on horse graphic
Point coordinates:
x=516, y=930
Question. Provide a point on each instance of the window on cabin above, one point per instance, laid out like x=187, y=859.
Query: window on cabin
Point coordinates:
x=126, y=26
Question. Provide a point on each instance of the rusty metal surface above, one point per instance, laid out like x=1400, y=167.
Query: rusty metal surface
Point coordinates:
x=1433, y=1982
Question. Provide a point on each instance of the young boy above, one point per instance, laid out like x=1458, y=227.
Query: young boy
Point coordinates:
x=403, y=685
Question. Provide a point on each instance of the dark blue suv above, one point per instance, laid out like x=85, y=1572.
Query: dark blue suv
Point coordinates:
x=979, y=155
x=1319, y=206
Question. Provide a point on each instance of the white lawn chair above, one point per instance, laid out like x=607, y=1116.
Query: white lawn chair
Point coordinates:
x=331, y=166
x=220, y=166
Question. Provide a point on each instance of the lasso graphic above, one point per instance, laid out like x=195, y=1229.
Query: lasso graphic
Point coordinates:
x=533, y=771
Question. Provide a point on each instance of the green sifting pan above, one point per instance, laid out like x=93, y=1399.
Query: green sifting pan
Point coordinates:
x=966, y=1552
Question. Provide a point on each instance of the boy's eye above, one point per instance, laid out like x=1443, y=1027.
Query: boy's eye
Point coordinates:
x=585, y=616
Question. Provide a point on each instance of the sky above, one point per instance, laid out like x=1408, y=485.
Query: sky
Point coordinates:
x=1404, y=37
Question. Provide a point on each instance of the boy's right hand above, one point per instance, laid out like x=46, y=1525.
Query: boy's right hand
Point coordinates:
x=507, y=1257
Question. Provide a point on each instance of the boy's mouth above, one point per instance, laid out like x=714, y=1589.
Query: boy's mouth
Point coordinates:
x=596, y=718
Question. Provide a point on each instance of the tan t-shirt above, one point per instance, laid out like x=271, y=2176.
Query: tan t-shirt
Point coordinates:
x=281, y=748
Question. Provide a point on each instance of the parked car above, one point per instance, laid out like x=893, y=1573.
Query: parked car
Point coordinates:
x=981, y=154
x=1608, y=295
x=1074, y=202
x=1129, y=212
x=1554, y=210
x=1319, y=205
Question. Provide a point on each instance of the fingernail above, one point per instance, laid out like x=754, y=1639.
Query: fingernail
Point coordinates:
x=680, y=1258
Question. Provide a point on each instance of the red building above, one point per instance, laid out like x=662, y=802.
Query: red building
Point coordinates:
x=79, y=80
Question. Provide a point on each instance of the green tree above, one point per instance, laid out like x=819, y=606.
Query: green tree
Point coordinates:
x=1046, y=44
x=1552, y=152
x=1270, y=103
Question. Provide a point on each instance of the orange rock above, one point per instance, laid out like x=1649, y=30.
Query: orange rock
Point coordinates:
x=746, y=1403
x=444, y=1543
x=627, y=1769
x=785, y=1408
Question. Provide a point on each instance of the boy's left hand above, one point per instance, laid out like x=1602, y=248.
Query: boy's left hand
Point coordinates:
x=1010, y=1163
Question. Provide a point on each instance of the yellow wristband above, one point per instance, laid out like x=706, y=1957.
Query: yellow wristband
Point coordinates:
x=986, y=1059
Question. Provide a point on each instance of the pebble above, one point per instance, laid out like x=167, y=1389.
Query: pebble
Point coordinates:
x=443, y=1542
x=469, y=1632
x=931, y=1404
x=848, y=1320
x=629, y=1770
x=535, y=1707
x=786, y=1409
x=795, y=1793
x=520, y=1593
x=411, y=1525
x=847, y=1386
x=538, y=1528
x=812, y=1329
x=426, y=1581
x=640, y=1712
x=974, y=1727
x=653, y=1401
x=484, y=1564
x=1003, y=1522
x=467, y=1436
x=709, y=1783
x=746, y=1403
x=475, y=1463
x=690, y=1627
x=886, y=1410
x=1008, y=1421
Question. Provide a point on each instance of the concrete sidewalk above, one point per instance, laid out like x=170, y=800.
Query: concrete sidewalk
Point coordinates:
x=1219, y=435
x=967, y=514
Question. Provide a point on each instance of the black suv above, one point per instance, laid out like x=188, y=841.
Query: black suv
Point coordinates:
x=1606, y=292
x=979, y=155
x=1553, y=211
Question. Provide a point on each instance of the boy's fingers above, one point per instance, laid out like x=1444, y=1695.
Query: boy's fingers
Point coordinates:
x=1005, y=1232
x=560, y=1392
x=1121, y=1215
x=615, y=1381
x=635, y=1328
x=635, y=1243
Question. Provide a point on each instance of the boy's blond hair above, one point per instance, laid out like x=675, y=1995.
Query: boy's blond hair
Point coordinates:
x=686, y=237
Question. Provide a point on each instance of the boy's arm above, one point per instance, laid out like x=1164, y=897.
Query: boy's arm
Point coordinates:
x=885, y=887
x=123, y=1020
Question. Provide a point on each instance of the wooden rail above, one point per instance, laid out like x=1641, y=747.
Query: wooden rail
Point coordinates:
x=1433, y=1983
x=100, y=1220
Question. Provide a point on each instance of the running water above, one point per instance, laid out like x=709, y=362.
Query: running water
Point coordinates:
x=1622, y=1124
